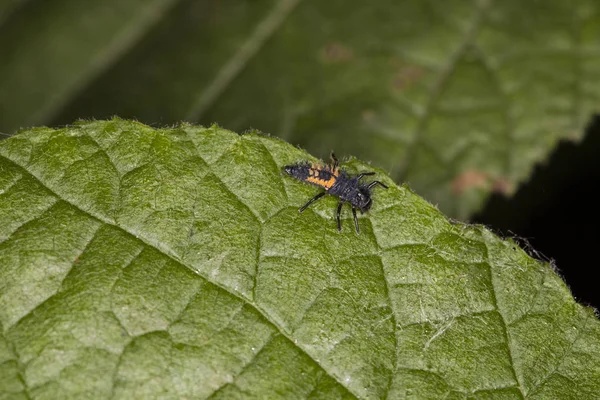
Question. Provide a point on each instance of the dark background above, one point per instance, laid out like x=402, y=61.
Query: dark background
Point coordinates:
x=558, y=214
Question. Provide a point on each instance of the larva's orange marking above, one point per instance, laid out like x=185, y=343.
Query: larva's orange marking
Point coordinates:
x=317, y=173
x=322, y=182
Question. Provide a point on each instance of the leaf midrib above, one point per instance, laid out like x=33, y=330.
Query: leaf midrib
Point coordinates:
x=240, y=58
x=482, y=7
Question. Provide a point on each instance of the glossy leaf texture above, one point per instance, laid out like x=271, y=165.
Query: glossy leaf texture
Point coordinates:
x=173, y=263
x=458, y=98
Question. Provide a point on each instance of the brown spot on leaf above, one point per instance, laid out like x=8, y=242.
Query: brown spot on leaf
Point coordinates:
x=368, y=115
x=469, y=179
x=406, y=76
x=503, y=185
x=336, y=52
x=472, y=178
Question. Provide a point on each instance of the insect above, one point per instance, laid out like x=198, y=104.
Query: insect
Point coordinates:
x=337, y=183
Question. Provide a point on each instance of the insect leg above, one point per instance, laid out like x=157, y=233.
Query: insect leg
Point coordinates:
x=338, y=215
x=317, y=197
x=355, y=220
x=359, y=177
x=376, y=183
x=334, y=161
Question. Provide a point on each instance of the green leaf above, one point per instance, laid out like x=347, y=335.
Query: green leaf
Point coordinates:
x=6, y=8
x=173, y=263
x=52, y=50
x=459, y=98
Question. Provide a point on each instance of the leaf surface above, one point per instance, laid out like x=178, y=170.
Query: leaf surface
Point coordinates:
x=143, y=263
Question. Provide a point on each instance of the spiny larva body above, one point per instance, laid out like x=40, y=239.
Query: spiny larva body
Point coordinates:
x=336, y=182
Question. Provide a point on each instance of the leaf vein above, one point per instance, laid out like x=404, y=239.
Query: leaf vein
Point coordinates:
x=232, y=292
x=246, y=366
x=232, y=68
x=562, y=358
x=442, y=80
x=504, y=325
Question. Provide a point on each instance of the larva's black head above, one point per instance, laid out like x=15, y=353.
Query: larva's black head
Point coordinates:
x=363, y=200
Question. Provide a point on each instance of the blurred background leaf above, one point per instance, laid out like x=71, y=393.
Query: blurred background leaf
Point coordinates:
x=458, y=98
